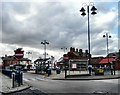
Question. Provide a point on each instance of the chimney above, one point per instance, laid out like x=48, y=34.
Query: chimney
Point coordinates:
x=80, y=52
x=5, y=55
x=71, y=49
x=86, y=53
x=76, y=50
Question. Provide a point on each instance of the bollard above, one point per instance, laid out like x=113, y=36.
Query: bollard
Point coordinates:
x=21, y=78
x=17, y=77
x=13, y=80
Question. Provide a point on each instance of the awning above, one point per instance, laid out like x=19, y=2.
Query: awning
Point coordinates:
x=106, y=60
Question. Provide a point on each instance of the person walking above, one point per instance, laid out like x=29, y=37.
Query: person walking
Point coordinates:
x=113, y=67
x=90, y=69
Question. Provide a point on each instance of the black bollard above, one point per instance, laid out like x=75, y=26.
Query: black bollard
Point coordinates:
x=13, y=80
x=21, y=78
x=18, y=77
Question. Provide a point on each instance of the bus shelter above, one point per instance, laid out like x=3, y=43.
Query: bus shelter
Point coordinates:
x=77, y=66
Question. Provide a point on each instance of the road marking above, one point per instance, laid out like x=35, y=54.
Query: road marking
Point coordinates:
x=40, y=79
x=115, y=81
x=25, y=79
x=33, y=79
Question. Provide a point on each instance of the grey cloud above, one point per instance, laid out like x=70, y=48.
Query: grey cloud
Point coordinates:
x=52, y=21
x=16, y=7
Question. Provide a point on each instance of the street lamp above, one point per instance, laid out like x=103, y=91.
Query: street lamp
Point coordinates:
x=107, y=37
x=45, y=43
x=93, y=12
x=64, y=48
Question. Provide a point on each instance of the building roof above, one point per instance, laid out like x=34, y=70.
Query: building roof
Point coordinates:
x=106, y=60
x=24, y=59
x=96, y=60
x=115, y=54
x=41, y=60
x=10, y=58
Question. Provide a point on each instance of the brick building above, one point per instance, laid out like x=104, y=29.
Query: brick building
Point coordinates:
x=16, y=60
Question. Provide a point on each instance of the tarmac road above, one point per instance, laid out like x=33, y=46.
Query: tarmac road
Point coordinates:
x=72, y=86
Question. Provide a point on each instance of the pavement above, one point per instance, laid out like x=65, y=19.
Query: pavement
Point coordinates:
x=83, y=75
x=80, y=75
x=6, y=85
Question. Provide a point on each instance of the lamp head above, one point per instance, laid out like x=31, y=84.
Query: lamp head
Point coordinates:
x=47, y=42
x=93, y=13
x=104, y=36
x=93, y=8
x=82, y=10
x=109, y=36
x=83, y=14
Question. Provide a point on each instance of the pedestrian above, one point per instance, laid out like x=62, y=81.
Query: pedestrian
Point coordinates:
x=49, y=72
x=113, y=67
x=90, y=69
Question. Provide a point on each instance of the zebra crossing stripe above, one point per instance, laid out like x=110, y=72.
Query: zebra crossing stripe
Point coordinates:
x=25, y=79
x=39, y=79
x=33, y=79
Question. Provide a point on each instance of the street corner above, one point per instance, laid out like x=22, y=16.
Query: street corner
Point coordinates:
x=16, y=89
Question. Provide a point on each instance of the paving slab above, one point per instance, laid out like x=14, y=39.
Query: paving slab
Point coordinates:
x=6, y=85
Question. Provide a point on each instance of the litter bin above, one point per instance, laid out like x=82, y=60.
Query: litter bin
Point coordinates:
x=58, y=71
x=99, y=71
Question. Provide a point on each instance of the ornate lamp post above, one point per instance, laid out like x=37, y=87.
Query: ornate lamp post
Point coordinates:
x=64, y=48
x=93, y=12
x=107, y=37
x=45, y=43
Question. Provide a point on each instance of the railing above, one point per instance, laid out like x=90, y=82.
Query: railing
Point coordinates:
x=7, y=73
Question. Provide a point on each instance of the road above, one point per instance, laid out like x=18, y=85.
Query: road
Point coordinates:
x=65, y=86
x=44, y=85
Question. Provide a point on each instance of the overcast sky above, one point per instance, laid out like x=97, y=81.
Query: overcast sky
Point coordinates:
x=26, y=24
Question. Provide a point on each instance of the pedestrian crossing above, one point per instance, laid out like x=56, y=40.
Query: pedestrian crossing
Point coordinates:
x=33, y=79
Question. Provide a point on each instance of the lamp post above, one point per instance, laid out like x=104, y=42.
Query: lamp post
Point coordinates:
x=45, y=43
x=93, y=12
x=107, y=37
x=65, y=63
x=64, y=48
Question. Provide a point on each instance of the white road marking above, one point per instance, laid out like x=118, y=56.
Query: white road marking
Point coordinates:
x=33, y=79
x=25, y=79
x=39, y=78
x=115, y=81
